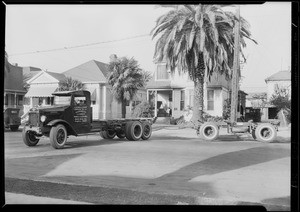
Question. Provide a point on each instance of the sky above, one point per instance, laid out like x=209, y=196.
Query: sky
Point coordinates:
x=44, y=36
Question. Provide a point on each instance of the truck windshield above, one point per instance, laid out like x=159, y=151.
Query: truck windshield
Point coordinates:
x=62, y=100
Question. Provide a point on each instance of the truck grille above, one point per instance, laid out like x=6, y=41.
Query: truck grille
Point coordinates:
x=33, y=119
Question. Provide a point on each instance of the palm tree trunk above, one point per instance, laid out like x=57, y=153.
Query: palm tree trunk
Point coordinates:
x=198, y=100
x=124, y=109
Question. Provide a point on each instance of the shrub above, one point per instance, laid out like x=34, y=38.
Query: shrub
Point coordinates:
x=143, y=110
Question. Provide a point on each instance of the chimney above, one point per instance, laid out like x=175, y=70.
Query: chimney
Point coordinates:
x=113, y=57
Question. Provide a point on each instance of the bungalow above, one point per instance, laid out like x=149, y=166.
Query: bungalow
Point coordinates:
x=41, y=87
x=170, y=94
x=93, y=74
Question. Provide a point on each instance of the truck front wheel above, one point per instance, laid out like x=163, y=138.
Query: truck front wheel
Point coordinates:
x=29, y=138
x=58, y=136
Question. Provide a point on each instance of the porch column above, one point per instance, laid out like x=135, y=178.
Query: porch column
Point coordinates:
x=155, y=109
x=147, y=97
x=104, y=102
x=15, y=100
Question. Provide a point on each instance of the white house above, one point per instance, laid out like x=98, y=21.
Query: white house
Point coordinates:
x=41, y=87
x=176, y=92
x=281, y=79
x=93, y=74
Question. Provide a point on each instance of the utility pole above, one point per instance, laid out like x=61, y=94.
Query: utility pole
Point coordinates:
x=235, y=74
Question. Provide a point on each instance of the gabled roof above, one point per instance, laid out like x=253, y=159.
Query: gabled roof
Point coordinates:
x=57, y=76
x=280, y=76
x=91, y=71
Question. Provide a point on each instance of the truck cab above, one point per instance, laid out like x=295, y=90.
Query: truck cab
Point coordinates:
x=71, y=113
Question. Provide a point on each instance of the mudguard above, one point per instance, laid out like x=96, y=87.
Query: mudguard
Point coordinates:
x=68, y=126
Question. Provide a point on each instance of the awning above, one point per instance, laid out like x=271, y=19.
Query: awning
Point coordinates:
x=40, y=92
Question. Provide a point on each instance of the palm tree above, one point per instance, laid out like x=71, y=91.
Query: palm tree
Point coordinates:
x=199, y=40
x=69, y=84
x=125, y=79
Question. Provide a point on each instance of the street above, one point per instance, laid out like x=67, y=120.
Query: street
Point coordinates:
x=173, y=167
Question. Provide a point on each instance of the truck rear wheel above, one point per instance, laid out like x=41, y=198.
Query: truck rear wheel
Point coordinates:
x=209, y=131
x=121, y=134
x=265, y=132
x=58, y=136
x=108, y=134
x=134, y=130
x=29, y=138
x=147, y=130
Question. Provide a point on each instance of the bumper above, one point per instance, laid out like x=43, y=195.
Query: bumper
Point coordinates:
x=37, y=130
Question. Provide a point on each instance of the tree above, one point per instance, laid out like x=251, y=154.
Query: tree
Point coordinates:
x=125, y=79
x=199, y=40
x=281, y=100
x=69, y=84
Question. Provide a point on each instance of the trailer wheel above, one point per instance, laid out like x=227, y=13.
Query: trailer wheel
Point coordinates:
x=121, y=134
x=108, y=134
x=265, y=132
x=29, y=138
x=147, y=130
x=58, y=136
x=209, y=131
x=134, y=130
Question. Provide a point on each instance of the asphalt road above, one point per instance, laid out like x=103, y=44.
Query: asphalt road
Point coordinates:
x=172, y=167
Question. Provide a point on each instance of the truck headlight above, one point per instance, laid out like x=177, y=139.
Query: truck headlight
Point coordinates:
x=43, y=118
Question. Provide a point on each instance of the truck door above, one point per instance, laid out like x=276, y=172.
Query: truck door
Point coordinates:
x=81, y=114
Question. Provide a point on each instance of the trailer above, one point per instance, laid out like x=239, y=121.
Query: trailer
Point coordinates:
x=263, y=132
x=71, y=114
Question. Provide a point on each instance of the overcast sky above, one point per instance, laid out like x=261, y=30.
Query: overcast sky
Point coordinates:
x=124, y=30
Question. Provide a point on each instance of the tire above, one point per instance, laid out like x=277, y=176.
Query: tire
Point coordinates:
x=209, y=131
x=265, y=132
x=29, y=138
x=134, y=130
x=108, y=134
x=147, y=130
x=58, y=136
x=121, y=134
x=14, y=127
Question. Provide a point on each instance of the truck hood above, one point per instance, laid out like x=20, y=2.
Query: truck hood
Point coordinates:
x=53, y=108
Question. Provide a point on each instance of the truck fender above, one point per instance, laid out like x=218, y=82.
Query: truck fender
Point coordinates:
x=68, y=126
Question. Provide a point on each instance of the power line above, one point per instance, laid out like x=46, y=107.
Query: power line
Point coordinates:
x=79, y=46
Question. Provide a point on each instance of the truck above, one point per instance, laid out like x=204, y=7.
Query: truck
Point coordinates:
x=12, y=120
x=71, y=115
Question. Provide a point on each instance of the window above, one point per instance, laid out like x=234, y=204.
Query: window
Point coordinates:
x=210, y=100
x=191, y=97
x=162, y=73
x=80, y=100
x=182, y=97
x=20, y=100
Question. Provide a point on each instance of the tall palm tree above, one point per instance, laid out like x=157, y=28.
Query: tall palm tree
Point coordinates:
x=125, y=79
x=70, y=84
x=199, y=40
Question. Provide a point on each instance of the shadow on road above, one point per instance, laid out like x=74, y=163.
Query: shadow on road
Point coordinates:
x=226, y=162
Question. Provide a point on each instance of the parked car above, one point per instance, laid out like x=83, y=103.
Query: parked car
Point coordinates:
x=12, y=119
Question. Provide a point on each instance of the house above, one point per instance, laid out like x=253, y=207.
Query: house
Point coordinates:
x=93, y=74
x=13, y=87
x=258, y=107
x=170, y=94
x=41, y=87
